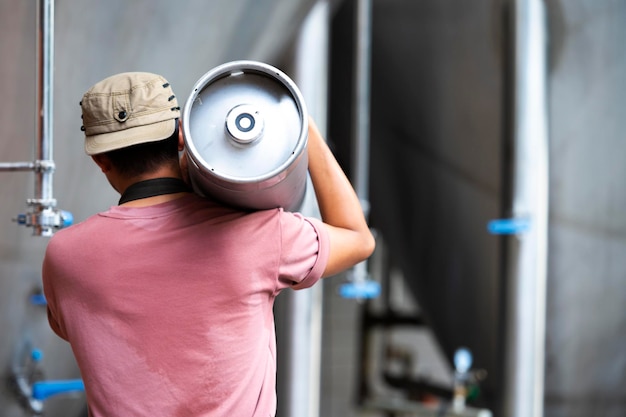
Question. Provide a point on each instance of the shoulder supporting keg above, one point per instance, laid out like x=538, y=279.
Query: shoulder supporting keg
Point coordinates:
x=245, y=126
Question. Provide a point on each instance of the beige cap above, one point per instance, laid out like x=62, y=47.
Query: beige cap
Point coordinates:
x=128, y=109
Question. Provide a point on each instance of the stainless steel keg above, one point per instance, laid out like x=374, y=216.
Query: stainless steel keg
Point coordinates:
x=246, y=126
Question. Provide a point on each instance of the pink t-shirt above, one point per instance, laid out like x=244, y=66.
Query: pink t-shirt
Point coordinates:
x=168, y=308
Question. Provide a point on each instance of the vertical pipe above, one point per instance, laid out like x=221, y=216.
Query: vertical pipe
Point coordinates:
x=361, y=108
x=44, y=217
x=44, y=125
x=526, y=299
x=300, y=350
x=361, y=105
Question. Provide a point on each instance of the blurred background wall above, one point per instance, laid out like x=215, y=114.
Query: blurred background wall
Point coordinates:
x=441, y=155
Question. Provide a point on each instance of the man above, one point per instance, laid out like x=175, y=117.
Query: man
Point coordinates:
x=166, y=299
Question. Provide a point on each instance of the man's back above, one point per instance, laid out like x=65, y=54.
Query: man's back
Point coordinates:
x=169, y=307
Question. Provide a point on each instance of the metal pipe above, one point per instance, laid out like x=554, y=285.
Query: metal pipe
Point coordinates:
x=360, y=286
x=43, y=165
x=44, y=218
x=527, y=257
x=44, y=124
x=17, y=166
x=361, y=105
x=300, y=344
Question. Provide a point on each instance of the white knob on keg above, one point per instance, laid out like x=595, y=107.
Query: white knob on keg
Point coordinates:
x=244, y=123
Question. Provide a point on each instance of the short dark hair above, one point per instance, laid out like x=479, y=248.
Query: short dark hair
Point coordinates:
x=146, y=157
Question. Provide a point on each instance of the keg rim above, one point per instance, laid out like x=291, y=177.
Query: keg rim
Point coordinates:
x=230, y=68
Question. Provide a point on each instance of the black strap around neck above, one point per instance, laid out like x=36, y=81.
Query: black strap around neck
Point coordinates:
x=153, y=187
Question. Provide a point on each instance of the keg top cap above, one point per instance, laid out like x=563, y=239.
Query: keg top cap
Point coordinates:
x=128, y=109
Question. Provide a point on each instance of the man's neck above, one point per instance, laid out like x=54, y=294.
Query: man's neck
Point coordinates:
x=122, y=183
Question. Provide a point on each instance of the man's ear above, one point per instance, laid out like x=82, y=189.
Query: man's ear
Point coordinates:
x=103, y=161
x=181, y=139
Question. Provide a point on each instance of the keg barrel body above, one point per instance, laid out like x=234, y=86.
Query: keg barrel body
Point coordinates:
x=246, y=127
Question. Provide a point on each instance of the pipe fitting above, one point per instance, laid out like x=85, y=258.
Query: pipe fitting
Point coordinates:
x=44, y=166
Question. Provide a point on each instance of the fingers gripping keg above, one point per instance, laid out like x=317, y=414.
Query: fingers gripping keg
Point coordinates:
x=245, y=127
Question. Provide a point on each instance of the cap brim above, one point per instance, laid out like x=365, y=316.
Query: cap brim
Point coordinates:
x=134, y=136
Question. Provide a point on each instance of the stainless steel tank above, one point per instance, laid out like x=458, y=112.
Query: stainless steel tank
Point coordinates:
x=245, y=126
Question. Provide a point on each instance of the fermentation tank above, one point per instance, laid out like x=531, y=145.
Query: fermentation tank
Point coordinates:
x=442, y=168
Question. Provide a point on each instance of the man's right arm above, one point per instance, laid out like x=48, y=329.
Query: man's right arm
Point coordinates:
x=351, y=240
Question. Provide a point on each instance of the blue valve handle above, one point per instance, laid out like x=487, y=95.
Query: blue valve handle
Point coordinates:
x=360, y=290
x=38, y=300
x=67, y=217
x=509, y=226
x=46, y=389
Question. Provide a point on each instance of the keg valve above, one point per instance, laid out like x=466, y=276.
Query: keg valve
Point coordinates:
x=245, y=123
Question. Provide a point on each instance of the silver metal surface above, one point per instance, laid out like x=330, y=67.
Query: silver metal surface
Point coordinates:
x=526, y=280
x=586, y=316
x=17, y=166
x=43, y=217
x=45, y=76
x=245, y=126
x=299, y=313
x=361, y=105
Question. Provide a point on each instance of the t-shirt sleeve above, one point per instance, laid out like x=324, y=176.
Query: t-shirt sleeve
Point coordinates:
x=304, y=251
x=48, y=272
